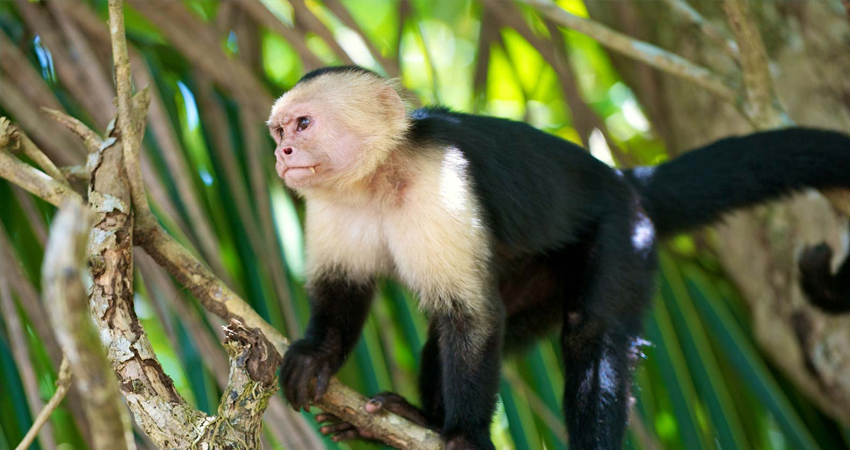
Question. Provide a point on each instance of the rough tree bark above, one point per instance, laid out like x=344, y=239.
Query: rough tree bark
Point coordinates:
x=62, y=275
x=806, y=44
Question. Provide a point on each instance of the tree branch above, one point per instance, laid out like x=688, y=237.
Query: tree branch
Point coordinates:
x=127, y=121
x=63, y=284
x=33, y=180
x=762, y=106
x=716, y=34
x=89, y=137
x=642, y=51
x=165, y=137
x=12, y=137
x=63, y=384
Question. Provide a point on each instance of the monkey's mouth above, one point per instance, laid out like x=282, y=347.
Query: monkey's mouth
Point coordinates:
x=310, y=168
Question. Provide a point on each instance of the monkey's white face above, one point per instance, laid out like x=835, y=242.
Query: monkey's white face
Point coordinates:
x=335, y=131
x=313, y=146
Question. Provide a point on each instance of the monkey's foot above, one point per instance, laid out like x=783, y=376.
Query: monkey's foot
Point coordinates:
x=830, y=292
x=339, y=430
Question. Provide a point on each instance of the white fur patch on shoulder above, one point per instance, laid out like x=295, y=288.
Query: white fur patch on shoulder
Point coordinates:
x=431, y=236
x=436, y=237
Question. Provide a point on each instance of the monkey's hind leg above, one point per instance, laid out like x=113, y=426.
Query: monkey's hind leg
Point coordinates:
x=470, y=347
x=599, y=330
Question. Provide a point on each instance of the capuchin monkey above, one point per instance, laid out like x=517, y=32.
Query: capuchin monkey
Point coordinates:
x=504, y=232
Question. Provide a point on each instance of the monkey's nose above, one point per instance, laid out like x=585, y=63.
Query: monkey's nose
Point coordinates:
x=287, y=151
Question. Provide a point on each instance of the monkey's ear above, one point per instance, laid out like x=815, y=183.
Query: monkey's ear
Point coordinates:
x=392, y=102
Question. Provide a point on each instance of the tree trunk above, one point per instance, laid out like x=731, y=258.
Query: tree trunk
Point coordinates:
x=807, y=45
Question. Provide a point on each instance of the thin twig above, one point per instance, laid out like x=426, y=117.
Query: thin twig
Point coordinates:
x=13, y=138
x=63, y=384
x=164, y=135
x=33, y=180
x=642, y=51
x=127, y=120
x=554, y=51
x=762, y=106
x=84, y=56
x=89, y=137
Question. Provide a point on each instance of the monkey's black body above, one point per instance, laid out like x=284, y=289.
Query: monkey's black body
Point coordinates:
x=573, y=243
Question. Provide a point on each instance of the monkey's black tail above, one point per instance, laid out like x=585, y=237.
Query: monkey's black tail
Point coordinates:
x=698, y=187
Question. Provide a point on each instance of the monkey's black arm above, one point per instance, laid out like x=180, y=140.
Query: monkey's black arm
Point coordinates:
x=339, y=309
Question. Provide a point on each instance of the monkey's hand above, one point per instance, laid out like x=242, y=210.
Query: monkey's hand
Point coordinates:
x=387, y=401
x=304, y=361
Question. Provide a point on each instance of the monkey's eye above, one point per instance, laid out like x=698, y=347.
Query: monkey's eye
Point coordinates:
x=303, y=123
x=280, y=132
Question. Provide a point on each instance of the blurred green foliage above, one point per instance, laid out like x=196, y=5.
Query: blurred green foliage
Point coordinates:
x=702, y=383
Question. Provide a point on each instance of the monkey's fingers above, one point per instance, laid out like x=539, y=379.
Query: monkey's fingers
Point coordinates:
x=335, y=428
x=325, y=417
x=322, y=382
x=286, y=376
x=293, y=387
x=303, y=387
x=347, y=435
x=342, y=431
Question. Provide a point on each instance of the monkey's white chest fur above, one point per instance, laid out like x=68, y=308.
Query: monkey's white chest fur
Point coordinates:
x=432, y=240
